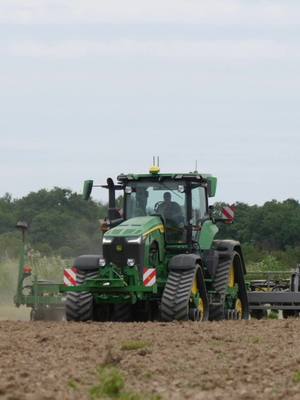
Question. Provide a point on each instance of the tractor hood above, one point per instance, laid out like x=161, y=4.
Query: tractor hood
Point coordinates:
x=138, y=226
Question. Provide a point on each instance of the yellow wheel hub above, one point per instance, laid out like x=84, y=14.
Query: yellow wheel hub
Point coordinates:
x=201, y=309
x=195, y=289
x=238, y=307
x=196, y=293
x=231, y=280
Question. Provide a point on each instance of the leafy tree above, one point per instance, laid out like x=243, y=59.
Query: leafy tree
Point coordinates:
x=62, y=223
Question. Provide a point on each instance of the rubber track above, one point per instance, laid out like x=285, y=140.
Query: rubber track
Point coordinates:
x=221, y=279
x=79, y=305
x=176, y=295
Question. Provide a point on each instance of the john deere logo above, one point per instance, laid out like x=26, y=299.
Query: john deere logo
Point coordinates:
x=119, y=247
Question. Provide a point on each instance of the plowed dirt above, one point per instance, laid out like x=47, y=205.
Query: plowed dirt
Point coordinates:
x=213, y=360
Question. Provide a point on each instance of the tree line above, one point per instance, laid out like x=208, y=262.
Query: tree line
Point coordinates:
x=272, y=229
x=62, y=223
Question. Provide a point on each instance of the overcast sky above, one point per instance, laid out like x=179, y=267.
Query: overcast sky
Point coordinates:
x=92, y=88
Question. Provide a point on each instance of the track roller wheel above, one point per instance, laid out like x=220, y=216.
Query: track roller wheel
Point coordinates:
x=216, y=313
x=239, y=308
x=185, y=297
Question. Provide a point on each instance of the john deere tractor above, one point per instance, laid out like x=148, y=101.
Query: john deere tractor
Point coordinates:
x=160, y=259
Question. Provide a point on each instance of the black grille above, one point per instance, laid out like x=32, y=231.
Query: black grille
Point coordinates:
x=118, y=252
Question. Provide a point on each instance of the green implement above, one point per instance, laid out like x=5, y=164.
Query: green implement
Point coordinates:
x=42, y=296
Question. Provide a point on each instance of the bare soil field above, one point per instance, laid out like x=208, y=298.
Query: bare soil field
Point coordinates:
x=212, y=360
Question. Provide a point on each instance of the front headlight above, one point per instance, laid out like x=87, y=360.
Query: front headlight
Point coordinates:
x=137, y=240
x=130, y=262
x=102, y=262
x=106, y=240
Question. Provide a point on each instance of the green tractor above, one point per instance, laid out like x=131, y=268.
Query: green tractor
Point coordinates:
x=160, y=259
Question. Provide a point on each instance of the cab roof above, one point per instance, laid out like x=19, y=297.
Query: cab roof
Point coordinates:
x=196, y=176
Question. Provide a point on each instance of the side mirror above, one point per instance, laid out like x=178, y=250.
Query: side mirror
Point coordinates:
x=211, y=186
x=87, y=189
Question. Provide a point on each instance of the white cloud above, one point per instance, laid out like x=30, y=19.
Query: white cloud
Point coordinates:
x=238, y=12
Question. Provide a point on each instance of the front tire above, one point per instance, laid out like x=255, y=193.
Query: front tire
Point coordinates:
x=80, y=305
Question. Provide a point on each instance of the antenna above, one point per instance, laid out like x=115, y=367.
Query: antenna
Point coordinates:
x=156, y=161
x=196, y=166
x=155, y=166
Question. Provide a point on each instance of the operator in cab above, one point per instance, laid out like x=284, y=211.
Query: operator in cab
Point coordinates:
x=172, y=213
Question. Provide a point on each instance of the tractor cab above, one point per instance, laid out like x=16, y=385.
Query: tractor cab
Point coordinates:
x=179, y=200
x=180, y=203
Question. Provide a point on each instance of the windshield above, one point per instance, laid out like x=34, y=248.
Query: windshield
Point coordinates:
x=164, y=198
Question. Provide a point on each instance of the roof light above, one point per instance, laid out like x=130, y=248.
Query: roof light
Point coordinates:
x=154, y=170
x=134, y=239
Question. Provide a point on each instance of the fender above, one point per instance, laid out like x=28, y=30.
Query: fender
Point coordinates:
x=87, y=262
x=226, y=248
x=184, y=262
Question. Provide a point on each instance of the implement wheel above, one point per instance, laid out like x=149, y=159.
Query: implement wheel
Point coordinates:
x=259, y=314
x=198, y=305
x=290, y=314
x=37, y=314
